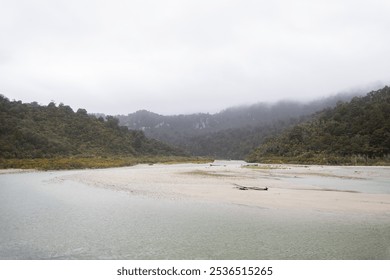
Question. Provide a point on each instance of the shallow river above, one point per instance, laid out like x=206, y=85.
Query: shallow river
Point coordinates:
x=41, y=218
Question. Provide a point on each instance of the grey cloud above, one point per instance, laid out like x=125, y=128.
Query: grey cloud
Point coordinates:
x=188, y=56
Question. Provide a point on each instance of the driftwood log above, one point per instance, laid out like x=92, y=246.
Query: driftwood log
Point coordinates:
x=244, y=188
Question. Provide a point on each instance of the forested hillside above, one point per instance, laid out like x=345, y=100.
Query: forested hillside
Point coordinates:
x=353, y=132
x=33, y=131
x=235, y=143
x=230, y=134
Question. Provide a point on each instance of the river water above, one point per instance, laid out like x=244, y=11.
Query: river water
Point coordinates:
x=41, y=218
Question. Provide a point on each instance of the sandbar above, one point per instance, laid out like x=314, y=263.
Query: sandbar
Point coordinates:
x=289, y=187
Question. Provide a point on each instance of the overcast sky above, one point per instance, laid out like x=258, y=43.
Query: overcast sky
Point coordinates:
x=178, y=56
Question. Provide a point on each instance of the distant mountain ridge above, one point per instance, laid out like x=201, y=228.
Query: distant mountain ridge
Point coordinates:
x=229, y=134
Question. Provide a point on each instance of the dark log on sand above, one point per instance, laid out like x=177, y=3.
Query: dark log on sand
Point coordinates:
x=244, y=188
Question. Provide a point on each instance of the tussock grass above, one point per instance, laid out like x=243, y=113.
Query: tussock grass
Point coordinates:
x=59, y=163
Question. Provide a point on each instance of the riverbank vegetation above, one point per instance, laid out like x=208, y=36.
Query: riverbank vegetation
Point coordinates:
x=59, y=163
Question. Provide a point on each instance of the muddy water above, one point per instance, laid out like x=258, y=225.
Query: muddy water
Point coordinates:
x=42, y=218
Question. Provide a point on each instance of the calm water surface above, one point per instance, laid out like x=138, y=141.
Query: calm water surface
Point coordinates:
x=41, y=218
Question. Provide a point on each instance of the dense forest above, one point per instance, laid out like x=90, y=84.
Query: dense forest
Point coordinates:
x=29, y=130
x=355, y=132
x=230, y=134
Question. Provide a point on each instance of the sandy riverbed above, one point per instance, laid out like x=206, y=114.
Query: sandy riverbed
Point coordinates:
x=197, y=211
x=322, y=188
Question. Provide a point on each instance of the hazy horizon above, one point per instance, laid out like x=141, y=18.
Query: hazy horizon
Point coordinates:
x=357, y=91
x=182, y=57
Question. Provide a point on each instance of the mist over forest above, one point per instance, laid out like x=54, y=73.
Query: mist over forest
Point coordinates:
x=232, y=133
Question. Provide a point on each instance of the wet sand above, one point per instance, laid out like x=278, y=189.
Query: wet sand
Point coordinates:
x=290, y=187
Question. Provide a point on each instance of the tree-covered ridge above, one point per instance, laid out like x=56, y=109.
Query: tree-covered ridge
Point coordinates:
x=29, y=130
x=353, y=132
x=230, y=134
